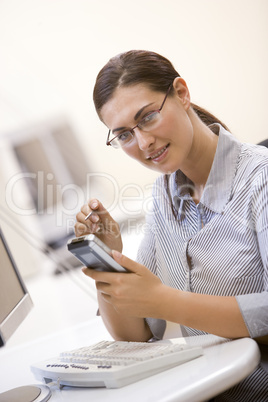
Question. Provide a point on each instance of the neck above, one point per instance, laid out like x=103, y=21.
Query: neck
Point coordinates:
x=201, y=156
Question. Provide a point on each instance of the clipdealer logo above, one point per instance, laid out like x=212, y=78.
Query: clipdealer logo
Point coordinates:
x=47, y=197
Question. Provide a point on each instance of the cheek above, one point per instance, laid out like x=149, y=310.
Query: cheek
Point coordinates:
x=181, y=130
x=136, y=154
x=133, y=152
x=172, y=125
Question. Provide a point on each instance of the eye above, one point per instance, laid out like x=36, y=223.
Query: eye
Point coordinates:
x=149, y=119
x=124, y=137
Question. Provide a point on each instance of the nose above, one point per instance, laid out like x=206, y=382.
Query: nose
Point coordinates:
x=144, y=139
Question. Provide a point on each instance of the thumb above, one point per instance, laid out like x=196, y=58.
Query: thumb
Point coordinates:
x=127, y=263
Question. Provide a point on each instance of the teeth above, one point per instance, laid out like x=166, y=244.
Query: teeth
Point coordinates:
x=159, y=153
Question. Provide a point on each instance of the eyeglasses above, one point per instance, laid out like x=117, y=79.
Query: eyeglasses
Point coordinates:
x=149, y=122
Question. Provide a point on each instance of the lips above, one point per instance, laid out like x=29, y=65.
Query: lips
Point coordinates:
x=157, y=154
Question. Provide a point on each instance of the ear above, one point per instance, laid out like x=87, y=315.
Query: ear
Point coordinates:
x=182, y=92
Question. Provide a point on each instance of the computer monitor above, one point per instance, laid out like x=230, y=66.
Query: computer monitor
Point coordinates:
x=15, y=305
x=55, y=169
x=15, y=301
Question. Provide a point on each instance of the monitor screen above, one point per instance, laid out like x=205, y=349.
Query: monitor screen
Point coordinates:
x=55, y=160
x=15, y=301
x=55, y=170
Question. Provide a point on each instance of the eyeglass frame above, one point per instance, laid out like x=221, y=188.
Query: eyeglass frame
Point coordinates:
x=131, y=130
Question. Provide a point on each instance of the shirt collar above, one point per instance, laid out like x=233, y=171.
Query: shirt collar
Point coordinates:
x=218, y=188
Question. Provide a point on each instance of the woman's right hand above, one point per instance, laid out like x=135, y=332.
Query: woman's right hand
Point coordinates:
x=99, y=223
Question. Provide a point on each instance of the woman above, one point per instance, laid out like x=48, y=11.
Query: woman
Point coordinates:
x=203, y=262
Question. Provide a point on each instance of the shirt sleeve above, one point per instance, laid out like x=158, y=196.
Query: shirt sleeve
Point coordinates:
x=254, y=307
x=146, y=251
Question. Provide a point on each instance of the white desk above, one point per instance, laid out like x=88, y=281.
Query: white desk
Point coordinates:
x=221, y=367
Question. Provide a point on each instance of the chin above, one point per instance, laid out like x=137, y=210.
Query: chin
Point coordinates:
x=158, y=168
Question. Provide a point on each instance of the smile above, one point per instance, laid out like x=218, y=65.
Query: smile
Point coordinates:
x=158, y=153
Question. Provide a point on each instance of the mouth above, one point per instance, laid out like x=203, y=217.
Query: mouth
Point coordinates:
x=156, y=156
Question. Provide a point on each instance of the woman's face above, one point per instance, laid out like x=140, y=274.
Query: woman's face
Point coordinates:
x=165, y=148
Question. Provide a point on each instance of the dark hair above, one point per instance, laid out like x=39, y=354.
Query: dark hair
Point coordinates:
x=139, y=67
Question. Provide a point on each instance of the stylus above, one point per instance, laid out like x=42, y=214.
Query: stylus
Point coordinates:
x=89, y=215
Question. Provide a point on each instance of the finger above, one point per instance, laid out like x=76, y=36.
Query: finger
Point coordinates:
x=98, y=276
x=106, y=219
x=102, y=287
x=88, y=209
x=80, y=229
x=97, y=218
x=126, y=262
x=90, y=225
x=87, y=213
x=87, y=271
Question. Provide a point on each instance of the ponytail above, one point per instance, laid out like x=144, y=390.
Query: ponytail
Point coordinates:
x=207, y=117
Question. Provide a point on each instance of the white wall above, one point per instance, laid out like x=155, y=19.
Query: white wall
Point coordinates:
x=51, y=51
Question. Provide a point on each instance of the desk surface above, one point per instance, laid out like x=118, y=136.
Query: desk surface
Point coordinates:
x=221, y=366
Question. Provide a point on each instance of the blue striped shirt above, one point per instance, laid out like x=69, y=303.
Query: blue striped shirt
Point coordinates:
x=220, y=245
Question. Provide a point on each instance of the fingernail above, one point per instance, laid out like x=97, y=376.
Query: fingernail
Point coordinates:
x=116, y=254
x=95, y=218
x=94, y=204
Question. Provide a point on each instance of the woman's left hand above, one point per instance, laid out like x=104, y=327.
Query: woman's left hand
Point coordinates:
x=134, y=294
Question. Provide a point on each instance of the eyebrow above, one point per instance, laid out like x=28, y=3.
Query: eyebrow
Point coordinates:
x=137, y=115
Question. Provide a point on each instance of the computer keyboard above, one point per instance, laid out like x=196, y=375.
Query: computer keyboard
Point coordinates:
x=114, y=364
